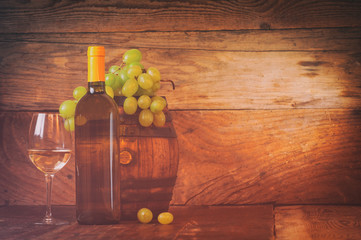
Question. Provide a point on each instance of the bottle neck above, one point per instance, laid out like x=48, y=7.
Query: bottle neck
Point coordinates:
x=96, y=87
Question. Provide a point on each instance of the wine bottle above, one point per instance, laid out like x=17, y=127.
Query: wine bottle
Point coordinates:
x=97, y=149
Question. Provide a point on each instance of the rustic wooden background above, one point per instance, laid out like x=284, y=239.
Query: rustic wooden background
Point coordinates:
x=267, y=105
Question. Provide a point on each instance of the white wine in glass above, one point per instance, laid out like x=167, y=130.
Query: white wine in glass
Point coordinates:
x=49, y=161
x=49, y=149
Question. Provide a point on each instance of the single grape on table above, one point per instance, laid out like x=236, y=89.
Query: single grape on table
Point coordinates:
x=145, y=215
x=165, y=218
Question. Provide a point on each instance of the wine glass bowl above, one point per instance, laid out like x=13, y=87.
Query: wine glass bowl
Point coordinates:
x=49, y=149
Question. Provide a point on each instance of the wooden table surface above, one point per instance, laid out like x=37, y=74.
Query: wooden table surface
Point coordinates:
x=196, y=222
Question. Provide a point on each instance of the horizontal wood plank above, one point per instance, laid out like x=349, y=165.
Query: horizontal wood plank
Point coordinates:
x=319, y=39
x=196, y=222
x=281, y=156
x=226, y=157
x=243, y=222
x=39, y=76
x=17, y=222
x=110, y=16
x=318, y=222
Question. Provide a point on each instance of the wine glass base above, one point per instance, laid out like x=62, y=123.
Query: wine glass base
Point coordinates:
x=52, y=221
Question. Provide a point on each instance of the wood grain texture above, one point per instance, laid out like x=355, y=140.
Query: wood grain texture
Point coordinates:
x=319, y=39
x=196, y=222
x=244, y=222
x=267, y=99
x=21, y=182
x=17, y=222
x=225, y=157
x=244, y=80
x=110, y=16
x=318, y=222
x=281, y=156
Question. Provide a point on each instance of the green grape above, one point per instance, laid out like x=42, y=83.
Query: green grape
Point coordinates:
x=159, y=119
x=125, y=68
x=66, y=125
x=134, y=71
x=114, y=68
x=146, y=118
x=148, y=92
x=130, y=87
x=109, y=79
x=132, y=55
x=123, y=76
x=142, y=91
x=145, y=81
x=136, y=63
x=109, y=91
x=118, y=92
x=130, y=105
x=79, y=92
x=145, y=215
x=165, y=218
x=144, y=101
x=139, y=92
x=154, y=73
x=160, y=99
x=69, y=124
x=157, y=106
x=156, y=86
x=117, y=82
x=67, y=109
x=117, y=72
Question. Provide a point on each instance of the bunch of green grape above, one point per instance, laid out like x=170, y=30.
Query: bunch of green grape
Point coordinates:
x=139, y=86
x=151, y=109
x=132, y=80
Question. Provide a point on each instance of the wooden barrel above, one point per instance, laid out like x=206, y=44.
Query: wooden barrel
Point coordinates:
x=149, y=164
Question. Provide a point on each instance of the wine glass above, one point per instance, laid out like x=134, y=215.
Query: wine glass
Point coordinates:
x=49, y=149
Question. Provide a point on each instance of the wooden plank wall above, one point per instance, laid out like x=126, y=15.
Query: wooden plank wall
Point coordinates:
x=267, y=105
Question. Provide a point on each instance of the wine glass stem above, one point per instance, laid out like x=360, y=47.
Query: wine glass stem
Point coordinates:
x=49, y=185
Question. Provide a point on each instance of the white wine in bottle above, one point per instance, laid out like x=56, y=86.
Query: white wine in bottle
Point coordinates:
x=97, y=149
